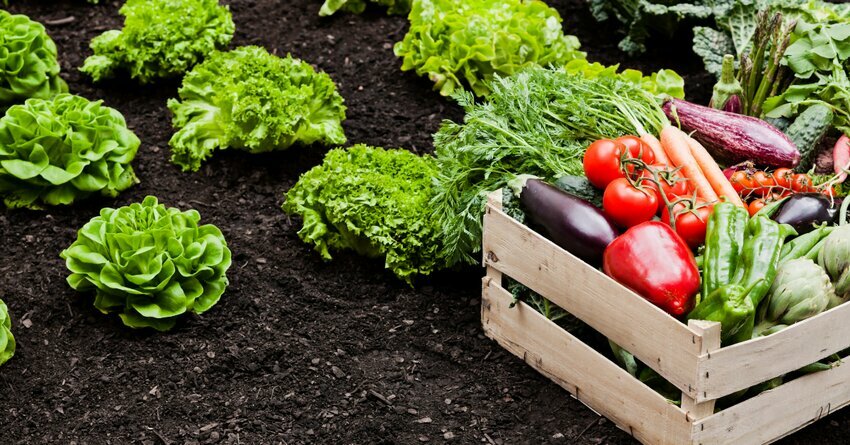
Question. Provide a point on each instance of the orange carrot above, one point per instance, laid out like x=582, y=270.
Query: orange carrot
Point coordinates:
x=657, y=150
x=675, y=144
x=722, y=187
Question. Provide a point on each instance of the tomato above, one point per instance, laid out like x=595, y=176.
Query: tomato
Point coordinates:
x=755, y=206
x=671, y=183
x=763, y=182
x=742, y=182
x=691, y=221
x=602, y=162
x=783, y=177
x=637, y=148
x=627, y=205
x=827, y=190
x=801, y=182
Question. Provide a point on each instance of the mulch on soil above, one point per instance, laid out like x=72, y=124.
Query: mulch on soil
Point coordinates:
x=298, y=350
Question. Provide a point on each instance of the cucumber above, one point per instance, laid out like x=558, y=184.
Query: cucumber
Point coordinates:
x=807, y=130
x=781, y=123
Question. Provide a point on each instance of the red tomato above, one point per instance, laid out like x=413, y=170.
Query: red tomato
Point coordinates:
x=690, y=221
x=827, y=190
x=627, y=205
x=764, y=182
x=755, y=206
x=602, y=162
x=637, y=148
x=783, y=177
x=742, y=182
x=671, y=183
x=801, y=182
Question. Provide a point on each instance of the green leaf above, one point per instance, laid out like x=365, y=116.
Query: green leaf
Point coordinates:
x=712, y=45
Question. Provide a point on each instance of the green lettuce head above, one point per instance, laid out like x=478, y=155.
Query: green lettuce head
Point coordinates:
x=59, y=150
x=28, y=65
x=460, y=43
x=374, y=202
x=149, y=263
x=254, y=101
x=160, y=38
x=358, y=6
x=7, y=341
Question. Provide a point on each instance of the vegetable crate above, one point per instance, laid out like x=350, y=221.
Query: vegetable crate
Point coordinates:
x=689, y=356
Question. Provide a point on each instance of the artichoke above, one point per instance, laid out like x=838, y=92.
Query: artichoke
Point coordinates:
x=7, y=341
x=59, y=150
x=149, y=263
x=801, y=290
x=834, y=257
x=28, y=65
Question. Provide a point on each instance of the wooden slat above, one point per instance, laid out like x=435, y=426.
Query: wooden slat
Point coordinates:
x=657, y=339
x=710, y=331
x=586, y=374
x=745, y=364
x=779, y=412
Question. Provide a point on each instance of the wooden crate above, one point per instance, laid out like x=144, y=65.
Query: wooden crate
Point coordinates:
x=689, y=356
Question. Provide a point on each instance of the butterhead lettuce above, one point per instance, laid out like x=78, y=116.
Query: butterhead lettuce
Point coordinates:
x=7, y=340
x=357, y=6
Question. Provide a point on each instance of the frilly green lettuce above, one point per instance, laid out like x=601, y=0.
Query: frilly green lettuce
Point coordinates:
x=28, y=65
x=463, y=44
x=160, y=38
x=254, y=101
x=149, y=263
x=660, y=84
x=372, y=201
x=59, y=150
x=357, y=6
x=7, y=340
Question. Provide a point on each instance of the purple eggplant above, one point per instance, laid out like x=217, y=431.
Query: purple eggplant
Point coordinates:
x=805, y=211
x=732, y=138
x=727, y=91
x=570, y=222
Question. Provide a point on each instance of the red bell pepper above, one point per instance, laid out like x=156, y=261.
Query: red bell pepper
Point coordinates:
x=652, y=260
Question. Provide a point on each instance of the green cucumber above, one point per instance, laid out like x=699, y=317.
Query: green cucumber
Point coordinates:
x=806, y=132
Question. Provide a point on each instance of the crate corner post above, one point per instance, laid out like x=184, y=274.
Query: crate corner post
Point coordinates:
x=709, y=341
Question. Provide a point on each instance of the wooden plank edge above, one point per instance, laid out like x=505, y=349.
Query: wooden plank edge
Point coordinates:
x=743, y=365
x=682, y=345
x=779, y=412
x=586, y=374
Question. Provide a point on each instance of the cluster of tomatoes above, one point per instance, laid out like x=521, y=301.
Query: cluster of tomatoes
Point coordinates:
x=759, y=187
x=637, y=188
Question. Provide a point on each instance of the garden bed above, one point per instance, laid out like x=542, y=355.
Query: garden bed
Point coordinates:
x=298, y=350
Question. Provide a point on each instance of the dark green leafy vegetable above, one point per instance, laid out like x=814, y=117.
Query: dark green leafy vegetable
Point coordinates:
x=254, y=101
x=64, y=149
x=464, y=44
x=7, y=340
x=160, y=38
x=28, y=65
x=374, y=202
x=536, y=122
x=149, y=263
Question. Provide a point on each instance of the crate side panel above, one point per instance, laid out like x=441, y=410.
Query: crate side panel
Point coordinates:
x=742, y=365
x=657, y=339
x=589, y=376
x=779, y=412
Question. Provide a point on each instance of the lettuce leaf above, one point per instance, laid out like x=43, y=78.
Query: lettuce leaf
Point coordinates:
x=28, y=64
x=464, y=44
x=7, y=340
x=372, y=201
x=160, y=38
x=63, y=149
x=357, y=6
x=254, y=101
x=662, y=83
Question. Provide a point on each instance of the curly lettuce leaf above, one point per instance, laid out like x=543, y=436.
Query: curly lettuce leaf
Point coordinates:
x=357, y=6
x=60, y=150
x=148, y=263
x=28, y=64
x=160, y=38
x=662, y=83
x=464, y=44
x=251, y=100
x=372, y=201
x=7, y=340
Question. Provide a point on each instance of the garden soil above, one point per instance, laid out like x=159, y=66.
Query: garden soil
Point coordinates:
x=298, y=350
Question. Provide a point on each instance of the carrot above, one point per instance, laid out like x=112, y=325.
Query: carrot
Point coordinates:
x=657, y=150
x=675, y=144
x=722, y=187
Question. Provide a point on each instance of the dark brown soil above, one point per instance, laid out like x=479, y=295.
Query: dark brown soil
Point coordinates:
x=298, y=350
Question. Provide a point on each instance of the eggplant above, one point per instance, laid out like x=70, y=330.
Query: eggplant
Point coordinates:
x=733, y=138
x=805, y=211
x=570, y=222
